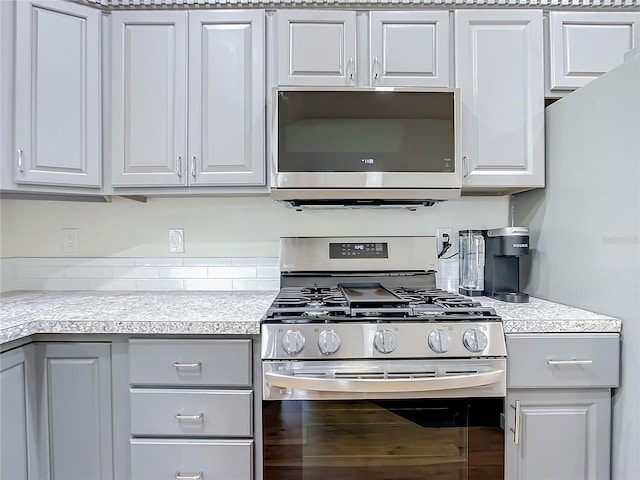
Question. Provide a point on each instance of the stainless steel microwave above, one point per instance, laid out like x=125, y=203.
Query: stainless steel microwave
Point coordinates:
x=365, y=146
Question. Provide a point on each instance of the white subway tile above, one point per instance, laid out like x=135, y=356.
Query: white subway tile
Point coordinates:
x=159, y=262
x=206, y=262
x=256, y=284
x=136, y=272
x=66, y=284
x=110, y=262
x=255, y=261
x=183, y=272
x=40, y=272
x=112, y=284
x=88, y=272
x=159, y=284
x=268, y=272
x=28, y=261
x=62, y=261
x=30, y=283
x=208, y=284
x=232, y=272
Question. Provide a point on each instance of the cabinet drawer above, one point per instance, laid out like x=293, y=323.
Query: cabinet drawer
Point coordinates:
x=214, y=460
x=190, y=362
x=563, y=360
x=191, y=413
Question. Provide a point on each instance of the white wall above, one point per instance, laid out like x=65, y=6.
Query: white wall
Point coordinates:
x=216, y=227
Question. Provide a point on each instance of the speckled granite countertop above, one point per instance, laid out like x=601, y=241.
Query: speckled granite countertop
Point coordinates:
x=27, y=313
x=542, y=316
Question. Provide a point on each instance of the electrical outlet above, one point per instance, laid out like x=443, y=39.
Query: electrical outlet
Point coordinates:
x=443, y=236
x=176, y=240
x=70, y=240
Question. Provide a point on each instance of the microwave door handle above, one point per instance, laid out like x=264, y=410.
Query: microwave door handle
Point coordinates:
x=384, y=385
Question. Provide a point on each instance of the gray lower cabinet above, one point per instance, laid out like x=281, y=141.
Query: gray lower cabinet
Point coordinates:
x=558, y=405
x=183, y=459
x=74, y=398
x=16, y=418
x=191, y=409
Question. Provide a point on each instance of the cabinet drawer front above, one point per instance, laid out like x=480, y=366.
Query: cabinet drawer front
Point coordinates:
x=563, y=360
x=171, y=459
x=191, y=413
x=190, y=362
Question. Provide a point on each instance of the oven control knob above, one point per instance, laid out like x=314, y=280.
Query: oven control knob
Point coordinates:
x=474, y=340
x=292, y=342
x=328, y=342
x=439, y=341
x=385, y=341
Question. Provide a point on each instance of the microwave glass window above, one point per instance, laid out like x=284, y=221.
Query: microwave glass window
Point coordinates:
x=345, y=131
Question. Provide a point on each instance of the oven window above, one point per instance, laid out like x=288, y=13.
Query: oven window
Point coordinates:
x=452, y=439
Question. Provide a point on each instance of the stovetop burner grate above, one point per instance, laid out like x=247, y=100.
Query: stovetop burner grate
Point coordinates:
x=329, y=304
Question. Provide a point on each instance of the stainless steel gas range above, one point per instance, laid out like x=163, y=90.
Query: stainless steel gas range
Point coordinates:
x=361, y=354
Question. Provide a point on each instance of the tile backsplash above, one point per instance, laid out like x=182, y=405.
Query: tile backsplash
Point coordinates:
x=140, y=273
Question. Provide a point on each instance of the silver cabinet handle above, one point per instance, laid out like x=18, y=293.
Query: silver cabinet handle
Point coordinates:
x=383, y=385
x=189, y=417
x=197, y=476
x=351, y=66
x=179, y=166
x=516, y=429
x=20, y=160
x=187, y=365
x=193, y=166
x=375, y=69
x=569, y=362
x=465, y=166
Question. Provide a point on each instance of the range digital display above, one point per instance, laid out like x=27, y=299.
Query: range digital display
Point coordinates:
x=358, y=250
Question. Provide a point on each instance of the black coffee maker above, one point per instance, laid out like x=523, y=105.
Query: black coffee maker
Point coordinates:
x=503, y=249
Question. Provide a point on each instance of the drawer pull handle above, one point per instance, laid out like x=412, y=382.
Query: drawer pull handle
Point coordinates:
x=187, y=365
x=197, y=476
x=516, y=429
x=189, y=417
x=569, y=362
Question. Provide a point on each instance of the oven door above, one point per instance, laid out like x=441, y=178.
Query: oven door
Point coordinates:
x=441, y=431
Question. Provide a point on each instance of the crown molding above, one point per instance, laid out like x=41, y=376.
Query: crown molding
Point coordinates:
x=597, y=5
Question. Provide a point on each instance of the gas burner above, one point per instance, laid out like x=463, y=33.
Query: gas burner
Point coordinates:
x=316, y=313
x=315, y=303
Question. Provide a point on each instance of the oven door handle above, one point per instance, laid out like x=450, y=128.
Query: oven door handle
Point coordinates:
x=365, y=385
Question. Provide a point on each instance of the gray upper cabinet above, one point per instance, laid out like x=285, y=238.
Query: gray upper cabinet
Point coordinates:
x=409, y=49
x=58, y=94
x=149, y=92
x=316, y=47
x=226, y=98
x=584, y=45
x=74, y=398
x=325, y=48
x=188, y=98
x=16, y=417
x=499, y=70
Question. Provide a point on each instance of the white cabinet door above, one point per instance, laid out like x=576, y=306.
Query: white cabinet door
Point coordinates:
x=226, y=98
x=409, y=49
x=58, y=94
x=557, y=434
x=584, y=45
x=149, y=89
x=499, y=70
x=316, y=47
